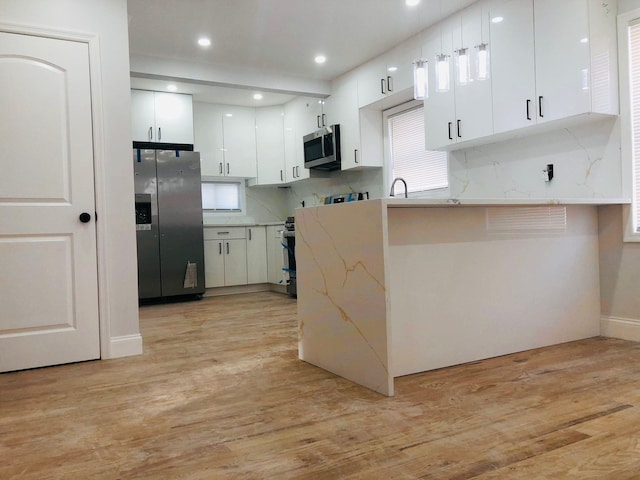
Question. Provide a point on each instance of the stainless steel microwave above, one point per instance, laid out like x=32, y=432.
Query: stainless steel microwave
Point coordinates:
x=322, y=149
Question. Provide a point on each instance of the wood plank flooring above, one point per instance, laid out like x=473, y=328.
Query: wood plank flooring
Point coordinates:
x=220, y=394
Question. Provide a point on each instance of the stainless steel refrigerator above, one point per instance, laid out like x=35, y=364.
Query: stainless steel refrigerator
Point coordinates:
x=168, y=223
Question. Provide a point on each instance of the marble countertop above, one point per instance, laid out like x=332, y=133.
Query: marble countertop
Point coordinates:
x=400, y=202
x=253, y=224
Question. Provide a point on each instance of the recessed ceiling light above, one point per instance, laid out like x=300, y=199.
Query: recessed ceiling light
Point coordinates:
x=257, y=96
x=412, y=3
x=204, y=42
x=497, y=19
x=392, y=69
x=320, y=59
x=171, y=87
x=584, y=40
x=228, y=114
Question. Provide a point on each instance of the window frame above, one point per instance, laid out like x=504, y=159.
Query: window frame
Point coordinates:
x=625, y=20
x=242, y=195
x=388, y=164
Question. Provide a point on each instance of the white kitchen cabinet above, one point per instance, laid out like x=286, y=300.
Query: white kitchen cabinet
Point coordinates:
x=275, y=255
x=462, y=111
x=360, y=129
x=388, y=74
x=257, y=254
x=512, y=66
x=552, y=61
x=161, y=117
x=270, y=146
x=299, y=120
x=225, y=136
x=225, y=256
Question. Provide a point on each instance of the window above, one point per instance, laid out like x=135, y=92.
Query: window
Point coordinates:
x=629, y=53
x=222, y=196
x=423, y=170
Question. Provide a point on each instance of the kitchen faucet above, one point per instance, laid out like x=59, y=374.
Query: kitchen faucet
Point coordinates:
x=394, y=183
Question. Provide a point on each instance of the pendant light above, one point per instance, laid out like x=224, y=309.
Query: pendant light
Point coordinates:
x=420, y=79
x=483, y=63
x=443, y=82
x=462, y=66
x=420, y=69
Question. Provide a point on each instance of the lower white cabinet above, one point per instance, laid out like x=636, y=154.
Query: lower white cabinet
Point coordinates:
x=235, y=256
x=225, y=256
x=256, y=255
x=275, y=255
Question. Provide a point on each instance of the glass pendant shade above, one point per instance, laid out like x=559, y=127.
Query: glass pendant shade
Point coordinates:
x=443, y=81
x=482, y=62
x=462, y=66
x=420, y=79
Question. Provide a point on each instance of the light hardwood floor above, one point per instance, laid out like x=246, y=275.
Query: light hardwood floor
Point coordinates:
x=220, y=394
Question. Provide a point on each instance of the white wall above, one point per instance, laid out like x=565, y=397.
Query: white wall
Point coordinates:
x=106, y=19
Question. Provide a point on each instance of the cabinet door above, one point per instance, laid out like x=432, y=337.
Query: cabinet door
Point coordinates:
x=512, y=65
x=174, y=118
x=300, y=119
x=208, y=138
x=235, y=262
x=472, y=96
x=275, y=255
x=256, y=255
x=142, y=116
x=239, y=132
x=372, y=81
x=439, y=107
x=270, y=145
x=399, y=67
x=562, y=58
x=213, y=263
x=346, y=100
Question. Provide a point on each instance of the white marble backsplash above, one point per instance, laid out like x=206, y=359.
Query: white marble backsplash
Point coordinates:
x=314, y=190
x=585, y=158
x=263, y=205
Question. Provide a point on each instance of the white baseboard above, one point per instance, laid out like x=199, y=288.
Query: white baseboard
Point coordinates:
x=124, y=346
x=252, y=288
x=624, y=328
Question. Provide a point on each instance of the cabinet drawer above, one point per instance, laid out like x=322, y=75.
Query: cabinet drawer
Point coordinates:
x=224, y=233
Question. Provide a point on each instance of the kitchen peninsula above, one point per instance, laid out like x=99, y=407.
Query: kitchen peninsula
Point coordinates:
x=391, y=287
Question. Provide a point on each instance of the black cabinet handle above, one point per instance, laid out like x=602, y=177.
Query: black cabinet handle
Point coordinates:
x=389, y=83
x=324, y=120
x=159, y=133
x=227, y=248
x=449, y=127
x=150, y=133
x=220, y=168
x=220, y=248
x=281, y=176
x=355, y=155
x=382, y=86
x=227, y=168
x=458, y=127
x=540, y=106
x=318, y=120
x=298, y=171
x=249, y=234
x=85, y=217
x=528, y=106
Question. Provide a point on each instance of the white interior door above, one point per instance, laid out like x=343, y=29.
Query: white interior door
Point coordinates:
x=48, y=286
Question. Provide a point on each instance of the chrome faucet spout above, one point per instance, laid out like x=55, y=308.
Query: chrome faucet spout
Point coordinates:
x=391, y=194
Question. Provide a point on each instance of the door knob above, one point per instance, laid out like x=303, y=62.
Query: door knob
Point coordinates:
x=85, y=217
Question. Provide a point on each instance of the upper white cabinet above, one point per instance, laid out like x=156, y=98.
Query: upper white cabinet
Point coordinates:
x=270, y=145
x=360, y=129
x=388, y=74
x=459, y=107
x=563, y=63
x=161, y=117
x=225, y=136
x=300, y=117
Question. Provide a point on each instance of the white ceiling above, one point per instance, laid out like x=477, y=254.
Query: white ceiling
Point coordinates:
x=276, y=36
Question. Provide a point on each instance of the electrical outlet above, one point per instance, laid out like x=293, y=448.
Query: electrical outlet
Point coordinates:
x=548, y=173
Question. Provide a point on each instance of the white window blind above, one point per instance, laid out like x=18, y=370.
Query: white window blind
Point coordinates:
x=223, y=196
x=421, y=169
x=634, y=79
